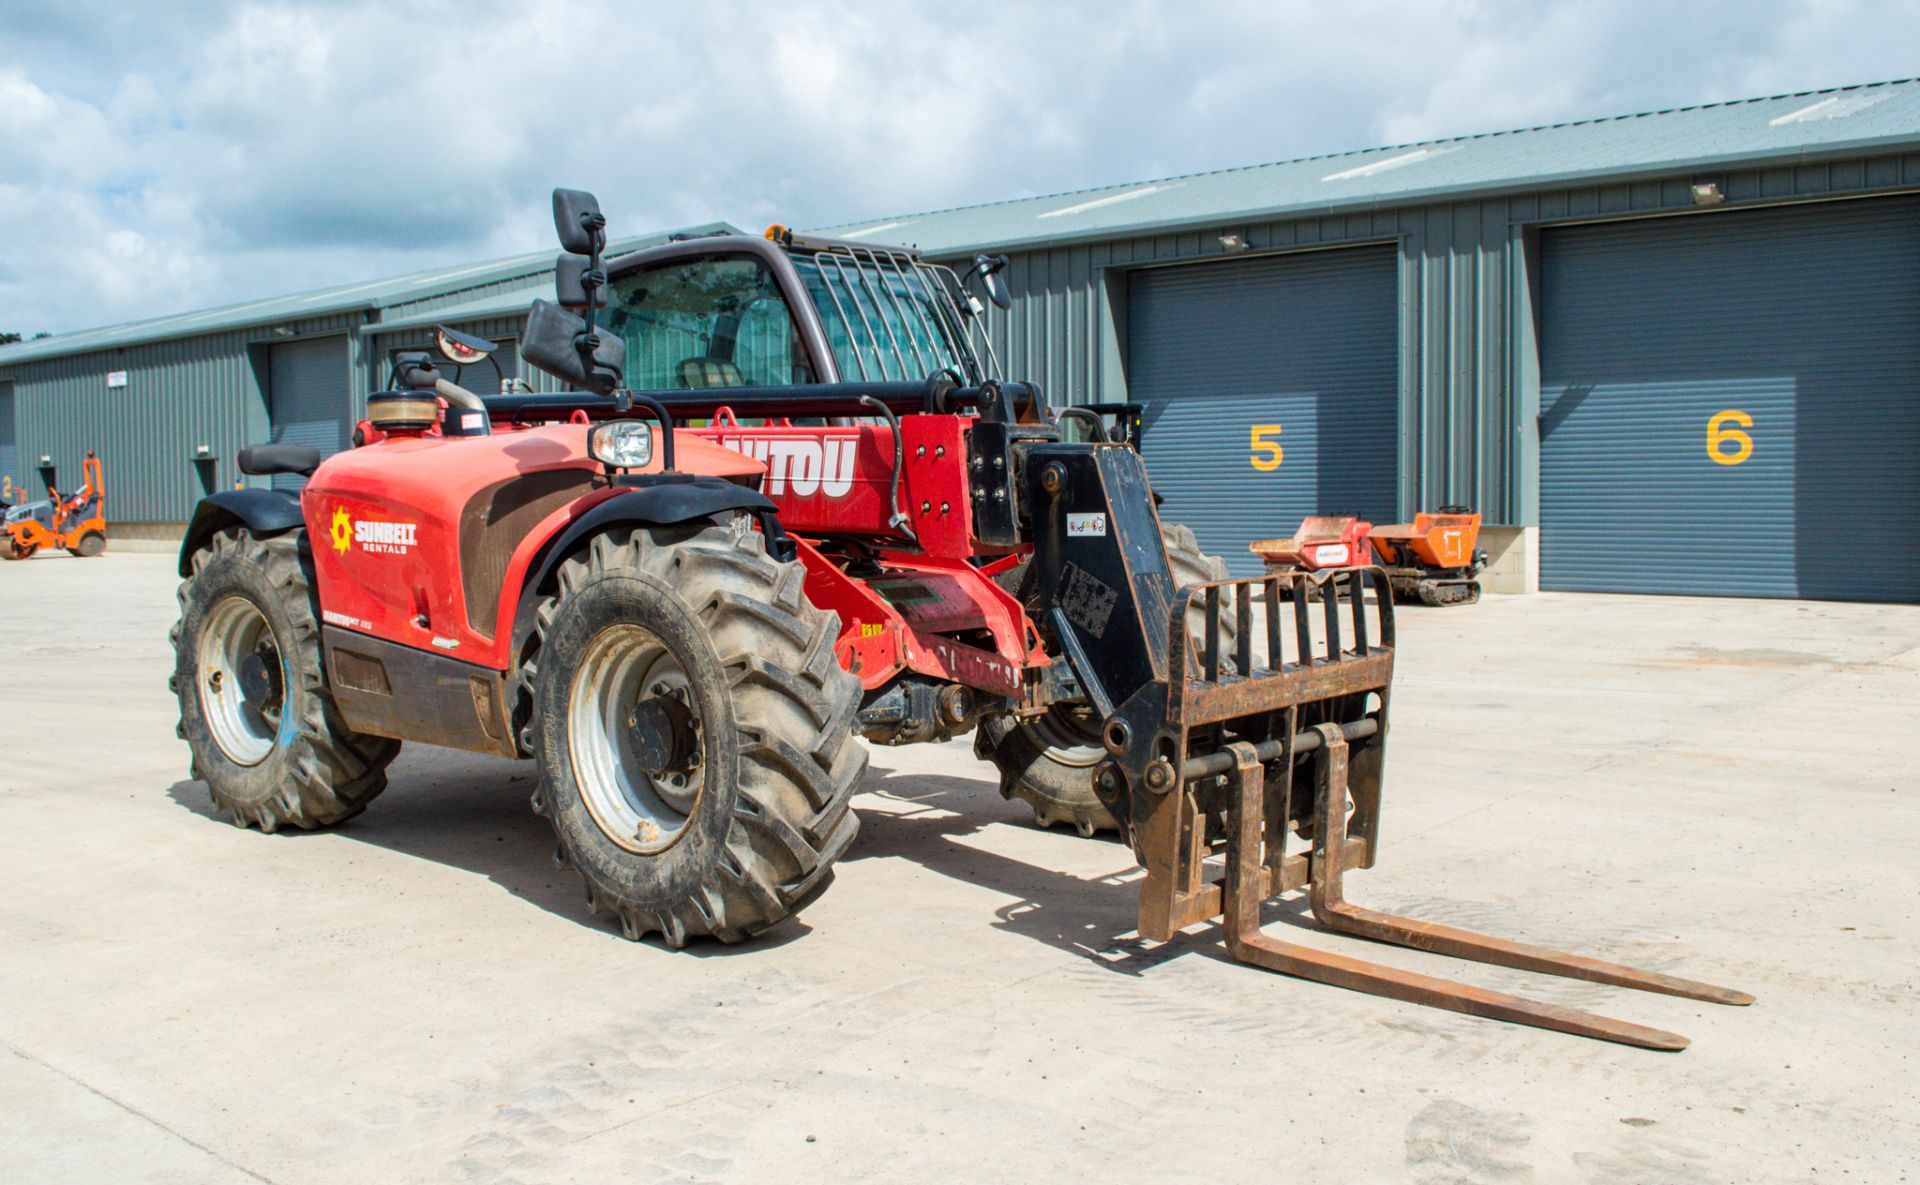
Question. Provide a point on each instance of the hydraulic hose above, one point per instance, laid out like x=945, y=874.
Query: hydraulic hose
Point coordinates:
x=898, y=519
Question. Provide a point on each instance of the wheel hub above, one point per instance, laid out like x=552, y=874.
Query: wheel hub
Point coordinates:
x=663, y=736
x=259, y=675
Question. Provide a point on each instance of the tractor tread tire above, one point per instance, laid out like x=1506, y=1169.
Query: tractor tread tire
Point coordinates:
x=789, y=722
x=1063, y=794
x=326, y=772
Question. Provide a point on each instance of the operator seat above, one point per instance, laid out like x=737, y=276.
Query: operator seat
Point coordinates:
x=702, y=374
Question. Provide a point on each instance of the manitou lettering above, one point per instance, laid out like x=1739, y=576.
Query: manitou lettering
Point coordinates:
x=799, y=466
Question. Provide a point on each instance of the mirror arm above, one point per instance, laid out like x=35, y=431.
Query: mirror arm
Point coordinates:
x=589, y=341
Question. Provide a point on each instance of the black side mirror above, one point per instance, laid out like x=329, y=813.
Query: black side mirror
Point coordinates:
x=566, y=347
x=578, y=221
x=576, y=283
x=990, y=267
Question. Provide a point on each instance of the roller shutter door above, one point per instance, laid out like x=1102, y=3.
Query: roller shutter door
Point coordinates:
x=12, y=477
x=1299, y=352
x=309, y=399
x=1730, y=404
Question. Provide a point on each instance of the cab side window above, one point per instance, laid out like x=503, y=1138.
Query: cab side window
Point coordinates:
x=710, y=322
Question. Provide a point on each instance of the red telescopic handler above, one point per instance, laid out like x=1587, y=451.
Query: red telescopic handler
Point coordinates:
x=787, y=500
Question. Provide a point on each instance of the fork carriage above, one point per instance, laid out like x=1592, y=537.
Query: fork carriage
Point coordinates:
x=1249, y=756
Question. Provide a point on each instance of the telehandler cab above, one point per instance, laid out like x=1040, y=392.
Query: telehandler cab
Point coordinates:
x=788, y=501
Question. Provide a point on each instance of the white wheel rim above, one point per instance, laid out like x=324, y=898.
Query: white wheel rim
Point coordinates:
x=637, y=810
x=1064, y=741
x=244, y=727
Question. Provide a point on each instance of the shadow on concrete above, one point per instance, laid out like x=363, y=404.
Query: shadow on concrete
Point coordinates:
x=471, y=813
x=1090, y=918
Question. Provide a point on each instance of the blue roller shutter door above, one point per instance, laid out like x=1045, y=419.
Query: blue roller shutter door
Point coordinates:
x=1301, y=350
x=308, y=395
x=12, y=478
x=1731, y=404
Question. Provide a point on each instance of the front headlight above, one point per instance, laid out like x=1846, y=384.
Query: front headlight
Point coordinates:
x=623, y=444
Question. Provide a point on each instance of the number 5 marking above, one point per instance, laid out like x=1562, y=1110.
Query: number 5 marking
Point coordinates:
x=1258, y=442
x=1718, y=434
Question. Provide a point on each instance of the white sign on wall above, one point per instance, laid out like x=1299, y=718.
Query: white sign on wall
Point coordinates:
x=116, y=378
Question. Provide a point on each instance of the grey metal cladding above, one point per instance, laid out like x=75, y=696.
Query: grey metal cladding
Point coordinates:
x=309, y=397
x=1301, y=346
x=1804, y=320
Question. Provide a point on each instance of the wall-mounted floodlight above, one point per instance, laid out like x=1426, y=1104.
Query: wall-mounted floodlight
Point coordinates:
x=1708, y=193
x=202, y=453
x=1233, y=242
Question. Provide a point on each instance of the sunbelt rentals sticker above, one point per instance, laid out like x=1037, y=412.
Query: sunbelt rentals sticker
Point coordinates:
x=378, y=536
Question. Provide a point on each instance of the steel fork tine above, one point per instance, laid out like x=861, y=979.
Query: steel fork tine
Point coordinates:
x=1244, y=889
x=1333, y=911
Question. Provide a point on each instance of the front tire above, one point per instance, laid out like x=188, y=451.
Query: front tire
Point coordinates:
x=694, y=731
x=1048, y=763
x=255, y=708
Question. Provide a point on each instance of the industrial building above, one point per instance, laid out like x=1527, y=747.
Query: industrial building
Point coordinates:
x=1669, y=352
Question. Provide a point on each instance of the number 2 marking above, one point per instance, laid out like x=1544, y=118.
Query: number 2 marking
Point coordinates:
x=1718, y=434
x=1259, y=444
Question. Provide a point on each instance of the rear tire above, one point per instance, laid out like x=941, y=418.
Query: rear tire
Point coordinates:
x=738, y=827
x=268, y=742
x=1048, y=763
x=91, y=544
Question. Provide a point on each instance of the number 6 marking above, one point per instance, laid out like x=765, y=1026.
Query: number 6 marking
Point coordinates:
x=1718, y=434
x=1258, y=442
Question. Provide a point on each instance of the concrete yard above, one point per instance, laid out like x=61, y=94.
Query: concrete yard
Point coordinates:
x=1724, y=789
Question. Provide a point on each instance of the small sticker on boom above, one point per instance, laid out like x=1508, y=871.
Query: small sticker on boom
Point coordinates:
x=1083, y=525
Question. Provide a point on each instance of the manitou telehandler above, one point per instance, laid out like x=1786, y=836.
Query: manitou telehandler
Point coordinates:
x=865, y=531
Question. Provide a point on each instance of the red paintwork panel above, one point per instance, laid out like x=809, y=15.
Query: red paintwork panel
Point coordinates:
x=385, y=518
x=837, y=481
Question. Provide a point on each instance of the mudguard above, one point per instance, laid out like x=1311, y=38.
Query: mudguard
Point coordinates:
x=264, y=512
x=657, y=503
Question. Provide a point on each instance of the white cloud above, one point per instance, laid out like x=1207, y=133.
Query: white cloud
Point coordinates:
x=159, y=158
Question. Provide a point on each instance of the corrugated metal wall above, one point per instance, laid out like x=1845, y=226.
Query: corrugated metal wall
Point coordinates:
x=179, y=395
x=1469, y=389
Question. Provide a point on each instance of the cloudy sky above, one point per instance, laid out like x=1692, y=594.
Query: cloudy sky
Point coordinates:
x=162, y=157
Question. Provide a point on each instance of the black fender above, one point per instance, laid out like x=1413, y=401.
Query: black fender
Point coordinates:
x=657, y=503
x=264, y=512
